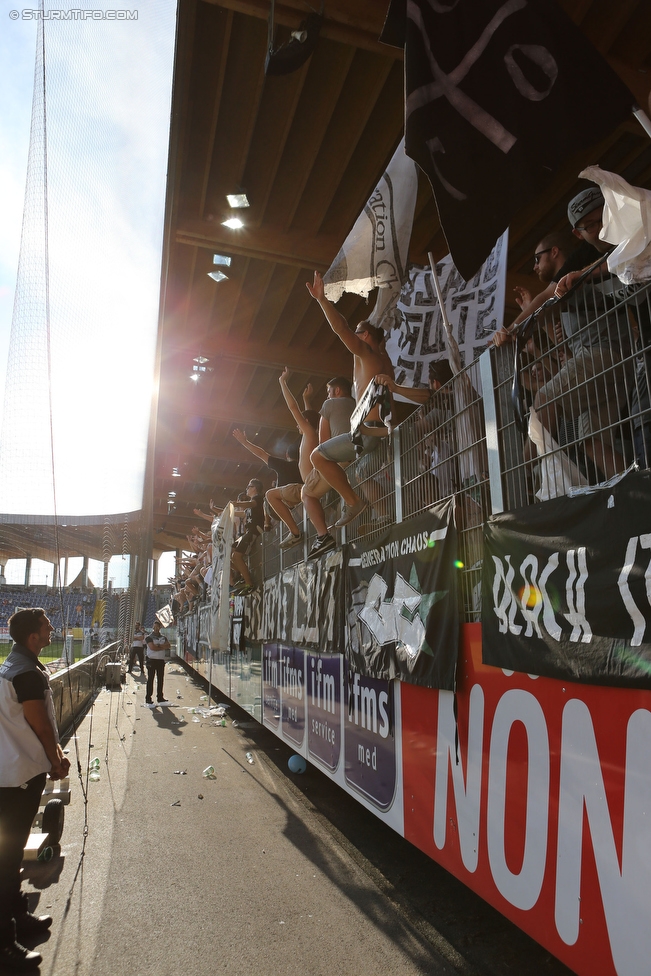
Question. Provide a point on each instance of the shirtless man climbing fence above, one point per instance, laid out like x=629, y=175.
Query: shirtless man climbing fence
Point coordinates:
x=366, y=344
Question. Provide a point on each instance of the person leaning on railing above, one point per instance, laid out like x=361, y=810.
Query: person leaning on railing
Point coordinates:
x=590, y=380
x=551, y=259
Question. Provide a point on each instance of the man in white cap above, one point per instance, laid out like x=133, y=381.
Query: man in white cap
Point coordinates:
x=590, y=387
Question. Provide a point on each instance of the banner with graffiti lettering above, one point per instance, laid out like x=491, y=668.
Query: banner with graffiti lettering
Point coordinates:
x=302, y=605
x=566, y=590
x=402, y=611
x=475, y=310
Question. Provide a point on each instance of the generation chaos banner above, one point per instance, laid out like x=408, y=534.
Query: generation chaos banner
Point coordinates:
x=402, y=612
x=567, y=587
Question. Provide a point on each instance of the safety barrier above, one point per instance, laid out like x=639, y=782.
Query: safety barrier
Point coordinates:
x=74, y=688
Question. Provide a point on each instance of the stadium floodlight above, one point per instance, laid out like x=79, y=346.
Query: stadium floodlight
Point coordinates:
x=236, y=200
x=217, y=276
x=222, y=259
x=233, y=222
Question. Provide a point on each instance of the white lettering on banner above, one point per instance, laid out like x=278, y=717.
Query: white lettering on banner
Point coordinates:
x=521, y=889
x=323, y=687
x=639, y=621
x=582, y=801
x=508, y=602
x=625, y=890
x=467, y=794
x=292, y=678
x=534, y=599
x=576, y=595
x=366, y=706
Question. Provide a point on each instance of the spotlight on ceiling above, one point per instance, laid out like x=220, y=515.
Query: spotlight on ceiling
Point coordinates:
x=195, y=377
x=222, y=259
x=233, y=222
x=236, y=200
x=217, y=276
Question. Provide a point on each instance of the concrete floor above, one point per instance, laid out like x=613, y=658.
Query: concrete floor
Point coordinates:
x=181, y=874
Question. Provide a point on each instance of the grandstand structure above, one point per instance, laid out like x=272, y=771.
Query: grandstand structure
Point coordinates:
x=307, y=149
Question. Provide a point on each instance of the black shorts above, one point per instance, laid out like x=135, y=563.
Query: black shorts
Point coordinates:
x=245, y=543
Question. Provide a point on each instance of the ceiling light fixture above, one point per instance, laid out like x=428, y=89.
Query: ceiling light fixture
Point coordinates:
x=236, y=200
x=233, y=222
x=222, y=259
x=217, y=276
x=200, y=359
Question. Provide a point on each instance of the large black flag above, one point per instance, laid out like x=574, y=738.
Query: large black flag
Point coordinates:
x=567, y=587
x=498, y=94
x=402, y=611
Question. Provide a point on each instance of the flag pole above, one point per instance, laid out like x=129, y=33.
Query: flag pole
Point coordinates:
x=643, y=119
x=453, y=348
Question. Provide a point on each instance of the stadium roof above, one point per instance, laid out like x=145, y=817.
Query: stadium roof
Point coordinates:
x=307, y=148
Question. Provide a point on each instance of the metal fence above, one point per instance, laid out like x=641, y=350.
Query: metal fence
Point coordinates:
x=583, y=382
x=74, y=688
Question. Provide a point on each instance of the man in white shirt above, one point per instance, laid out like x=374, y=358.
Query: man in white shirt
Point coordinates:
x=137, y=648
x=157, y=644
x=29, y=751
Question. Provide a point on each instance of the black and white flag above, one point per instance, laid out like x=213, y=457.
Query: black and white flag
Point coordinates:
x=374, y=255
x=567, y=587
x=402, y=612
x=498, y=94
x=475, y=309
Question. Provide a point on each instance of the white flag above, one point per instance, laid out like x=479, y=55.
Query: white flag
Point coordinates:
x=375, y=252
x=475, y=310
x=222, y=539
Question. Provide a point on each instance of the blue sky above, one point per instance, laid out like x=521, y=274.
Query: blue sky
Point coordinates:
x=108, y=103
x=17, y=47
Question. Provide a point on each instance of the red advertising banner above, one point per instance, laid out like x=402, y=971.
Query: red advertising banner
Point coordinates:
x=545, y=811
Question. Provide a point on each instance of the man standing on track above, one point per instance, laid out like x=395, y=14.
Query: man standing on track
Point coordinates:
x=29, y=751
x=137, y=648
x=157, y=644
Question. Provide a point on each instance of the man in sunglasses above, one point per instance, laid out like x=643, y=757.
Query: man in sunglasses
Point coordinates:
x=550, y=258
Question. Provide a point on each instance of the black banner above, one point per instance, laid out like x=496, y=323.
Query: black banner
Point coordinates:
x=303, y=605
x=402, y=612
x=498, y=95
x=566, y=589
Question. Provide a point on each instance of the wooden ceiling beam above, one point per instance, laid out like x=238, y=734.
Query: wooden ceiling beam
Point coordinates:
x=339, y=24
x=212, y=127
x=276, y=356
x=234, y=414
x=296, y=248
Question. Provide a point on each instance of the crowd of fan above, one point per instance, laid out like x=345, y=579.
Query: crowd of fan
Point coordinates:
x=194, y=570
x=585, y=370
x=78, y=607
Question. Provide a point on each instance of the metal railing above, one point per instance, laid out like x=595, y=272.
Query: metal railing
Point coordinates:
x=74, y=687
